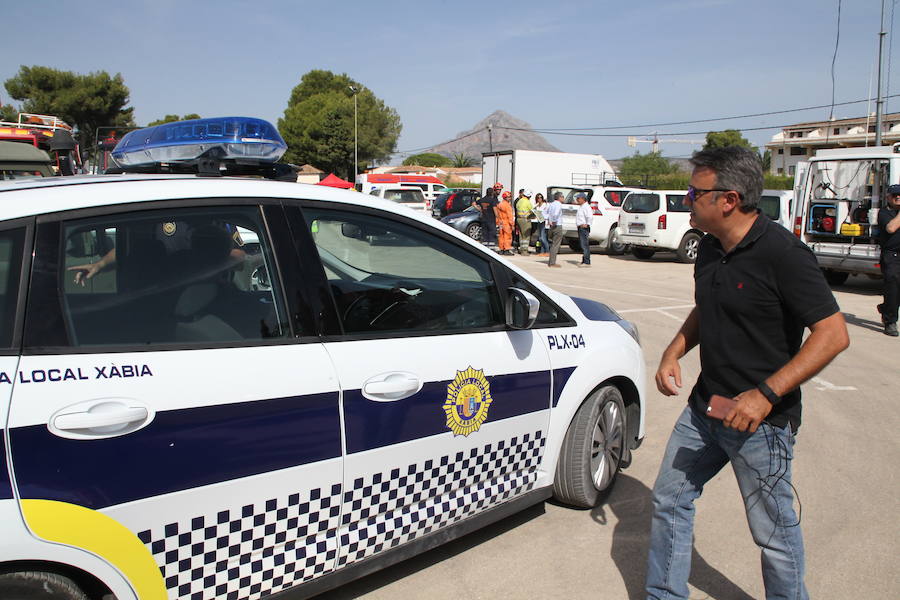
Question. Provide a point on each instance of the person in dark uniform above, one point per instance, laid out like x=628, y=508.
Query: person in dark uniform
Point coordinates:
x=486, y=205
x=889, y=226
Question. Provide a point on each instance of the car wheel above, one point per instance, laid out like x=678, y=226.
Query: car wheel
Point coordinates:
x=835, y=277
x=687, y=249
x=592, y=450
x=36, y=585
x=614, y=244
x=642, y=253
x=574, y=245
x=474, y=231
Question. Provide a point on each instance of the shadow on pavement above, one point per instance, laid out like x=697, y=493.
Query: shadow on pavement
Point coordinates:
x=631, y=505
x=852, y=319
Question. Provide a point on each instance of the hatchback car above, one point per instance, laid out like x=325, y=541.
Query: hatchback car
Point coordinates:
x=226, y=388
x=411, y=197
x=468, y=222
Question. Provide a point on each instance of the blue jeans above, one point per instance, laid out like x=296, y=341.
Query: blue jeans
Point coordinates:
x=584, y=236
x=698, y=449
x=542, y=237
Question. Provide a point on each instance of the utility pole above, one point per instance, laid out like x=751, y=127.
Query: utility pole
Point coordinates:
x=880, y=99
x=355, y=92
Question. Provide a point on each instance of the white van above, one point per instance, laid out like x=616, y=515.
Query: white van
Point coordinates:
x=606, y=202
x=658, y=220
x=776, y=204
x=430, y=190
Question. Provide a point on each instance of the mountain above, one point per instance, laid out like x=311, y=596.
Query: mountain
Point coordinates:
x=476, y=140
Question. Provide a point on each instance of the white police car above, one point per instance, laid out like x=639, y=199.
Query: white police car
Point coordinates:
x=175, y=429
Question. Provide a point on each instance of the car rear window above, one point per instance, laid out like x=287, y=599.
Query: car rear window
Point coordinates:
x=405, y=196
x=641, y=203
x=675, y=203
x=770, y=206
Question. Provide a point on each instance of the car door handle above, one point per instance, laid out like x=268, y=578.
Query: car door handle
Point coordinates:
x=92, y=420
x=388, y=387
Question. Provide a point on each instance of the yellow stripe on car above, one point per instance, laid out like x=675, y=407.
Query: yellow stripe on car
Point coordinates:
x=104, y=536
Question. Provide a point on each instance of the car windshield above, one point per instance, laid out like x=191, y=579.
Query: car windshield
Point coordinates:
x=641, y=203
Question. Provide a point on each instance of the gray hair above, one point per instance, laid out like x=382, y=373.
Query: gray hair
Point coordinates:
x=736, y=168
x=558, y=195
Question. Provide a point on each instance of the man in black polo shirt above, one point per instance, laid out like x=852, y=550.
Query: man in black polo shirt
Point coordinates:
x=756, y=288
x=889, y=224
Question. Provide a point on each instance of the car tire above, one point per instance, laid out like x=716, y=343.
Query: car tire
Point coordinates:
x=592, y=451
x=835, y=277
x=37, y=585
x=687, y=249
x=642, y=253
x=474, y=231
x=614, y=244
x=574, y=245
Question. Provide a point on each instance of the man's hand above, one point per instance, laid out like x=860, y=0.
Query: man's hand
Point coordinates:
x=751, y=408
x=85, y=272
x=668, y=376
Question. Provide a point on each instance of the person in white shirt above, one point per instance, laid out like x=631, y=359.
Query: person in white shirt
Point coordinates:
x=583, y=218
x=552, y=218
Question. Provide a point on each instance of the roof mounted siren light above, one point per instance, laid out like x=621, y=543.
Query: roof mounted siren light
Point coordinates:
x=205, y=145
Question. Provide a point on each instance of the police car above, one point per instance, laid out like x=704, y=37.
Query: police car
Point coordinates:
x=216, y=387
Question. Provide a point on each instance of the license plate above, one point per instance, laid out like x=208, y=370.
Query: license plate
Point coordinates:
x=635, y=228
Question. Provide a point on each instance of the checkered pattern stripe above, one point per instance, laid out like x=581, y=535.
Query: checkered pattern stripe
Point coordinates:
x=395, y=507
x=251, y=552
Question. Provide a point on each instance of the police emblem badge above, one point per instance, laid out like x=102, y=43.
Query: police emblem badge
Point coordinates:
x=169, y=228
x=468, y=401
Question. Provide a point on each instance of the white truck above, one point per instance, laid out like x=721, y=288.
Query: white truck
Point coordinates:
x=838, y=193
x=536, y=170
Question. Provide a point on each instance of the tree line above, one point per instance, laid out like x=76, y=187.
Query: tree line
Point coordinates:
x=324, y=115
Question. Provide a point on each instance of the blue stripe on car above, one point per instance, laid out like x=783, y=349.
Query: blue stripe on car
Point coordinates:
x=560, y=378
x=373, y=424
x=5, y=486
x=180, y=449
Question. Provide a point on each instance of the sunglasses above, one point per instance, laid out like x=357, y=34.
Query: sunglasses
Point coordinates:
x=694, y=193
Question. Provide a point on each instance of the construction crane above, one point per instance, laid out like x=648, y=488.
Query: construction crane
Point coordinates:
x=633, y=142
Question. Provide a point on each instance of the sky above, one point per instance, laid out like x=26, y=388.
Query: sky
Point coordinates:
x=444, y=66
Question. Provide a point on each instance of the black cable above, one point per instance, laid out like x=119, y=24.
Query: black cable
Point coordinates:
x=837, y=40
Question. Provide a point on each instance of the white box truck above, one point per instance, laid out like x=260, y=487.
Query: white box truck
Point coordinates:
x=838, y=194
x=537, y=170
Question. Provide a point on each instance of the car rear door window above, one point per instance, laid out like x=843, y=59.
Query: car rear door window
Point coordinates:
x=675, y=203
x=770, y=206
x=388, y=276
x=614, y=197
x=200, y=275
x=641, y=203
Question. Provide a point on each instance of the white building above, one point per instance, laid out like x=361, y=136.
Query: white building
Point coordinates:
x=796, y=143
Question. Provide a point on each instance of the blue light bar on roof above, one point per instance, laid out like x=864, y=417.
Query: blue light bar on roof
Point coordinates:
x=218, y=138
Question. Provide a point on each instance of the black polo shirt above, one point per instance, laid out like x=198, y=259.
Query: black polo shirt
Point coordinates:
x=754, y=304
x=889, y=241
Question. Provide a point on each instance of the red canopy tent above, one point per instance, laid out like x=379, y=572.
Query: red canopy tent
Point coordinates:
x=334, y=181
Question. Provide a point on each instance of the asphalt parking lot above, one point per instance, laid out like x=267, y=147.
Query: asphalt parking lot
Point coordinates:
x=842, y=470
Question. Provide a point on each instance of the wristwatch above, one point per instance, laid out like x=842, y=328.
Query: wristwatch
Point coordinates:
x=766, y=391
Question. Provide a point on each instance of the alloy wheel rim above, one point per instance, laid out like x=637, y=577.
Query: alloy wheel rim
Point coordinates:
x=607, y=439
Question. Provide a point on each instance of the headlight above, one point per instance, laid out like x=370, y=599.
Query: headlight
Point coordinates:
x=631, y=328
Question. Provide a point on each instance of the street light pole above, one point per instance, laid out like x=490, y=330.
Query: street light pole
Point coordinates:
x=355, y=135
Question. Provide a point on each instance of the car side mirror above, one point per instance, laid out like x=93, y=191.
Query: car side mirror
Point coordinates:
x=352, y=230
x=521, y=309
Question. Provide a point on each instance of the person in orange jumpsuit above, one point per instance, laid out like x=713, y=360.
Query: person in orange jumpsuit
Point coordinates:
x=505, y=223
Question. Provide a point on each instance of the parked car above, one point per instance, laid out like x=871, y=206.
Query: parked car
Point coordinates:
x=658, y=220
x=172, y=433
x=606, y=202
x=430, y=190
x=454, y=201
x=777, y=204
x=410, y=196
x=468, y=222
